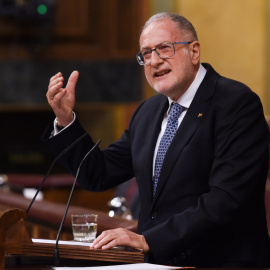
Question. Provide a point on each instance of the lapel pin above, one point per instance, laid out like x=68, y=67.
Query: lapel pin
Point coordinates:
x=200, y=115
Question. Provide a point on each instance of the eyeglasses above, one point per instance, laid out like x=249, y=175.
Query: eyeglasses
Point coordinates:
x=164, y=50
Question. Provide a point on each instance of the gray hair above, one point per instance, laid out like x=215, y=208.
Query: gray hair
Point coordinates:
x=181, y=22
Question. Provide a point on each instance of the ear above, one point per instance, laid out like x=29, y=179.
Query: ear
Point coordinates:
x=195, y=52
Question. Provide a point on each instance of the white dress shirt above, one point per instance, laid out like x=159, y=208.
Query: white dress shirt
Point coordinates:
x=185, y=101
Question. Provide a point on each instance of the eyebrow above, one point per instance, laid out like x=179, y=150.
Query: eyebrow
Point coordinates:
x=148, y=48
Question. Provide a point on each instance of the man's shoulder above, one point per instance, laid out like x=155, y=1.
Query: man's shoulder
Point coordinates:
x=225, y=83
x=222, y=81
x=234, y=90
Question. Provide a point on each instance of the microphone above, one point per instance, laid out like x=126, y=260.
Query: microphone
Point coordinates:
x=49, y=171
x=56, y=253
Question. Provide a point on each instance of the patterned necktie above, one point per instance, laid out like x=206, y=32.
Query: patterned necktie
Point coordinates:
x=166, y=140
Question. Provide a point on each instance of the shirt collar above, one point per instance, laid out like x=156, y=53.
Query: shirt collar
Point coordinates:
x=186, y=99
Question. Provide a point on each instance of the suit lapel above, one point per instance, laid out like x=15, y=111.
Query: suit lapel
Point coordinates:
x=191, y=121
x=153, y=130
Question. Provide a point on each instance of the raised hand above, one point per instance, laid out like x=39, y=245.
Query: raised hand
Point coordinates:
x=62, y=100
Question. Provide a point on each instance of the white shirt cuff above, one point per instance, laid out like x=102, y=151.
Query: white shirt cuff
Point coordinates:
x=56, y=130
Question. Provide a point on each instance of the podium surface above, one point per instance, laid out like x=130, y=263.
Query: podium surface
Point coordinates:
x=15, y=240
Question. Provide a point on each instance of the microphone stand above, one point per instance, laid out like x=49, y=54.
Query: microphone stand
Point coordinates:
x=49, y=171
x=56, y=252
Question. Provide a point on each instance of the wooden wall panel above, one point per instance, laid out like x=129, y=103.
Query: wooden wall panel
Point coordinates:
x=82, y=29
x=97, y=37
x=71, y=18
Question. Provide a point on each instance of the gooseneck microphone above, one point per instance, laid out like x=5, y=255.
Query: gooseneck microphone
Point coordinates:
x=56, y=253
x=49, y=171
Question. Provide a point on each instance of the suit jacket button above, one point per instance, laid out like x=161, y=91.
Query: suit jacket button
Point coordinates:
x=154, y=215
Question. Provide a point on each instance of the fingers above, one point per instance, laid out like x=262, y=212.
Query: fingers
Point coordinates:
x=55, y=87
x=106, y=240
x=120, y=237
x=55, y=90
x=58, y=75
x=55, y=80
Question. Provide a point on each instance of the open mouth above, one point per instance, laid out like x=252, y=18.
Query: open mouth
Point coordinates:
x=161, y=73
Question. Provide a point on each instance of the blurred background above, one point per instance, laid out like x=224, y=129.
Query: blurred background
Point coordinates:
x=39, y=38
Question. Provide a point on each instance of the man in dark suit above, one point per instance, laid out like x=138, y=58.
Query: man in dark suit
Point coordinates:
x=205, y=206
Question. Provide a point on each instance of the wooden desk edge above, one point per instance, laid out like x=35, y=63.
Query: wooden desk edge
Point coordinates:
x=76, y=252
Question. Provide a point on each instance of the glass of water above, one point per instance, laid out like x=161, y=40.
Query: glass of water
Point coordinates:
x=84, y=227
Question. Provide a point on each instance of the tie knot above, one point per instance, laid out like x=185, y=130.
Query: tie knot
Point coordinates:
x=176, y=110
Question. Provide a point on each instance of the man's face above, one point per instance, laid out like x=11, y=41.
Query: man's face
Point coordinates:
x=171, y=76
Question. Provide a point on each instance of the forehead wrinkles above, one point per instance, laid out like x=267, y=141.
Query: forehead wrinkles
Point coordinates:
x=159, y=32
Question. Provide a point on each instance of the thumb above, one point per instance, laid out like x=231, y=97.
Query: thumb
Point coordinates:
x=72, y=81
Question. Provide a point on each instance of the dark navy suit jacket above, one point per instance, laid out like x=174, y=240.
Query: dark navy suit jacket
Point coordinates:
x=209, y=206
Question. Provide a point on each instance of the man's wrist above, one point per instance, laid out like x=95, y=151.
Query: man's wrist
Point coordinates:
x=58, y=124
x=65, y=122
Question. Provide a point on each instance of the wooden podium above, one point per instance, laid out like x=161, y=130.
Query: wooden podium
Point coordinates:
x=15, y=240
